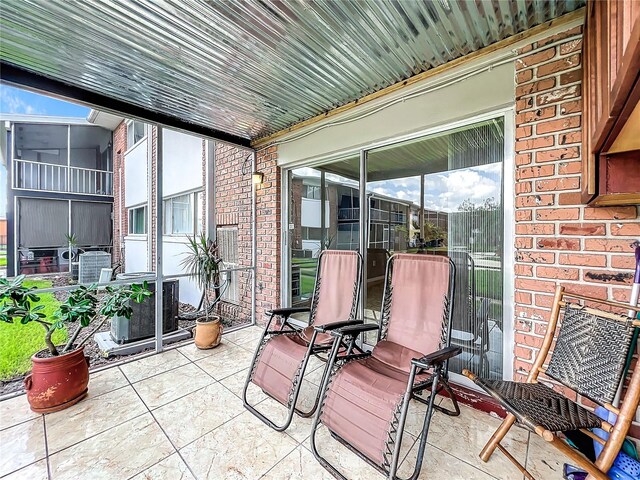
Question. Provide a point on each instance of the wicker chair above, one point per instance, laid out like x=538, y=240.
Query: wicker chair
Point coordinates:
x=283, y=352
x=589, y=358
x=365, y=396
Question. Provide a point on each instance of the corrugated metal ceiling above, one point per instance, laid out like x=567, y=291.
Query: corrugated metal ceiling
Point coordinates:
x=251, y=68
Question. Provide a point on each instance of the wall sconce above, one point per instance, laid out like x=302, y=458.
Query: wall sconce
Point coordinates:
x=257, y=178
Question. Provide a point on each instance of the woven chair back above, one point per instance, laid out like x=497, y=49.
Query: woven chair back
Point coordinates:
x=590, y=352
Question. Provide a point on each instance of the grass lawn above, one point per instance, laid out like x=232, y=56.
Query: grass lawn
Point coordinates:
x=3, y=260
x=18, y=342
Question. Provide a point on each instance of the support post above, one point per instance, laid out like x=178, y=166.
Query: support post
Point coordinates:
x=254, y=242
x=158, y=240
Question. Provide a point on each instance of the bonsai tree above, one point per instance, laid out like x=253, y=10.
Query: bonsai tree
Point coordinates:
x=84, y=306
x=202, y=262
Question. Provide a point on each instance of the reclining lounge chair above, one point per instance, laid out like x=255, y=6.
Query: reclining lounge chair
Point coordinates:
x=281, y=358
x=365, y=396
x=589, y=358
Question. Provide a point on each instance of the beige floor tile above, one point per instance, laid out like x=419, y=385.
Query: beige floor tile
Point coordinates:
x=92, y=416
x=169, y=386
x=171, y=468
x=465, y=435
x=439, y=464
x=543, y=460
x=35, y=471
x=153, y=365
x=106, y=381
x=188, y=418
x=244, y=336
x=300, y=427
x=298, y=465
x=21, y=445
x=227, y=360
x=15, y=410
x=194, y=353
x=235, y=383
x=243, y=448
x=119, y=453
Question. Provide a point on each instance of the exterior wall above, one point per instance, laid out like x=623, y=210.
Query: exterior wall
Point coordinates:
x=559, y=240
x=120, y=217
x=268, y=232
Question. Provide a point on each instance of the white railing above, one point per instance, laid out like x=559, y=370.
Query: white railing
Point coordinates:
x=60, y=178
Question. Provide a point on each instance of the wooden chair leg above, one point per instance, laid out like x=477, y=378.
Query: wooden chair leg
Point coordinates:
x=498, y=435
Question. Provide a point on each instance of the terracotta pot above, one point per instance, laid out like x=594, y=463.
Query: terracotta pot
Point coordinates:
x=56, y=383
x=208, y=334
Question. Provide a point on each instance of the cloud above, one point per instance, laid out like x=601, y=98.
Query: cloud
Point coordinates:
x=11, y=101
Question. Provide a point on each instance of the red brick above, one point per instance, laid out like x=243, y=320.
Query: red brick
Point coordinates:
x=534, y=200
x=560, y=36
x=545, y=301
x=535, y=285
x=558, y=273
x=535, y=229
x=532, y=313
x=621, y=294
x=559, y=94
x=557, y=214
x=626, y=229
x=624, y=262
x=553, y=184
x=523, y=270
x=535, y=143
x=573, y=198
x=571, y=77
x=523, y=132
x=556, y=66
x=523, y=159
x=583, y=229
x=534, y=172
x=535, y=87
x=583, y=260
x=523, y=242
x=573, y=106
x=565, y=123
x=523, y=216
x=609, y=277
x=528, y=340
x=534, y=115
x=571, y=46
x=524, y=76
x=610, y=213
x=557, y=154
x=523, y=353
x=606, y=245
x=587, y=290
x=535, y=58
x=571, y=137
x=523, y=298
x=524, y=104
x=536, y=257
x=567, y=168
x=558, y=244
x=523, y=187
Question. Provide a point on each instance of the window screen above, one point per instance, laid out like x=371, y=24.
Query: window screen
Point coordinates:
x=91, y=223
x=42, y=223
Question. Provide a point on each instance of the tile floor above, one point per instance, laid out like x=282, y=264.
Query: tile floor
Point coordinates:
x=179, y=415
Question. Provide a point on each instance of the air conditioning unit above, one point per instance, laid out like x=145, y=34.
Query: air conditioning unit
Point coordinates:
x=65, y=256
x=142, y=323
x=91, y=263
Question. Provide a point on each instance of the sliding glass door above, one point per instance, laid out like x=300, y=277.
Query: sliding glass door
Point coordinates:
x=437, y=194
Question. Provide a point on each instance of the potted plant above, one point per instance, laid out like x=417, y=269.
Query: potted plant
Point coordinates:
x=202, y=262
x=60, y=373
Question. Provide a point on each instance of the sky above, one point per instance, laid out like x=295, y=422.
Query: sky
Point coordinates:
x=15, y=100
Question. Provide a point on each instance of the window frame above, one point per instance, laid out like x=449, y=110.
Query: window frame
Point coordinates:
x=197, y=216
x=130, y=124
x=131, y=217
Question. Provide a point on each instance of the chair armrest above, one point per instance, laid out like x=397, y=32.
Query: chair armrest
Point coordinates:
x=355, y=329
x=286, y=311
x=332, y=326
x=437, y=357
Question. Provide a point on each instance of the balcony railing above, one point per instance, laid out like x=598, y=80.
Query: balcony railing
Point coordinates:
x=61, y=178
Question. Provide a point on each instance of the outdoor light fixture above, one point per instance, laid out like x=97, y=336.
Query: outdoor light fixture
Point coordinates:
x=257, y=177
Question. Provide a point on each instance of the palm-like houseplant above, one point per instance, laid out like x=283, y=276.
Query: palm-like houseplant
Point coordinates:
x=60, y=373
x=203, y=263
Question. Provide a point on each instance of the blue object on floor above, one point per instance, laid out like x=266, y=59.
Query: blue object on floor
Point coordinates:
x=624, y=467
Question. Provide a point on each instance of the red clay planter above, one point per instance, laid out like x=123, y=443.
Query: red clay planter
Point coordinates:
x=56, y=383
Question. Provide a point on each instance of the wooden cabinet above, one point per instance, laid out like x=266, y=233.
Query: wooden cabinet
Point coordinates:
x=611, y=97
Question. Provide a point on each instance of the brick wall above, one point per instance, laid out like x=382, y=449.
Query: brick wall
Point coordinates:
x=268, y=232
x=120, y=218
x=559, y=240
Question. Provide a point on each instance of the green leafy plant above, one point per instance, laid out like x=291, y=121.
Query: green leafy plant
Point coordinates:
x=202, y=262
x=84, y=306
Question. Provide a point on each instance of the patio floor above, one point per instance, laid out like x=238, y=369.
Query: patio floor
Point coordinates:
x=178, y=415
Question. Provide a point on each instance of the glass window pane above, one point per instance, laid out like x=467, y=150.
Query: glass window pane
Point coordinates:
x=182, y=214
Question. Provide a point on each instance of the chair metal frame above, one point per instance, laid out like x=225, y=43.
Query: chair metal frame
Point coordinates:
x=617, y=433
x=287, y=328
x=438, y=381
